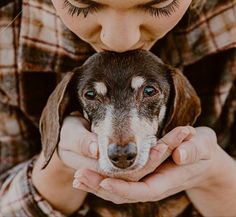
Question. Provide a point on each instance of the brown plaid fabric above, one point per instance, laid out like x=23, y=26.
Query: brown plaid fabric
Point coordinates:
x=36, y=50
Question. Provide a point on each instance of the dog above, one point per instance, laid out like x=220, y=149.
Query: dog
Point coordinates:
x=131, y=100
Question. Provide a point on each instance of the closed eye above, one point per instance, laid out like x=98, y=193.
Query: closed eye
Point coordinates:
x=159, y=8
x=155, y=8
x=76, y=8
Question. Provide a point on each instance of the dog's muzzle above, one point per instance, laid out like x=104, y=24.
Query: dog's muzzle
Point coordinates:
x=122, y=156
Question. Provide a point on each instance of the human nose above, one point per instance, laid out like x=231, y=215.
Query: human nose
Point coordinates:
x=120, y=34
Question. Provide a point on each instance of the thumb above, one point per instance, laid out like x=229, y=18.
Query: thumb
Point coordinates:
x=75, y=137
x=199, y=147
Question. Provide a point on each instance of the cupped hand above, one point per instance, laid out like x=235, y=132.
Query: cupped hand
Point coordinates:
x=77, y=149
x=193, y=162
x=78, y=146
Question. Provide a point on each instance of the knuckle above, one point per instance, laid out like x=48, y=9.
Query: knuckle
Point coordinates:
x=152, y=194
x=125, y=195
x=86, y=144
x=155, y=196
x=175, y=137
x=152, y=160
x=147, y=199
x=211, y=134
x=82, y=151
x=180, y=128
x=210, y=142
x=208, y=132
x=118, y=202
x=194, y=153
x=192, y=130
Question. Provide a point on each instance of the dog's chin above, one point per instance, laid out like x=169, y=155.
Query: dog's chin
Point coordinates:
x=128, y=175
x=133, y=173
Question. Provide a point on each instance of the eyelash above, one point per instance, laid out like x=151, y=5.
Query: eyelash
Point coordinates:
x=73, y=10
x=156, y=12
x=166, y=11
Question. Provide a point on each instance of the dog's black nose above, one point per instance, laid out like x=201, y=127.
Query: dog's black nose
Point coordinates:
x=122, y=156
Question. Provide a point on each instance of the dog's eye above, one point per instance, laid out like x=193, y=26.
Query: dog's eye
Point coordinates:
x=91, y=94
x=149, y=91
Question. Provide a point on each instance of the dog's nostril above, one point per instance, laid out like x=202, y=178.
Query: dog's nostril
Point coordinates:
x=122, y=156
x=115, y=159
x=131, y=157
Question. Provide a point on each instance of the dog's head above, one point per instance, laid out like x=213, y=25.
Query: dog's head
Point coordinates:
x=130, y=99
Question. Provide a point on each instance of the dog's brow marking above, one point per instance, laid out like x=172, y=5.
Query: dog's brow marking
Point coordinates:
x=101, y=88
x=137, y=82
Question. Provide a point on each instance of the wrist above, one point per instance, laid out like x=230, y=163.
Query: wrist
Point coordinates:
x=221, y=172
x=215, y=194
x=54, y=183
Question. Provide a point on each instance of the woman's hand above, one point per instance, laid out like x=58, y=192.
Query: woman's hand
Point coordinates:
x=199, y=166
x=77, y=149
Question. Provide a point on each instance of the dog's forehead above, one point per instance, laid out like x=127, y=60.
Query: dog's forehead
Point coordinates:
x=130, y=68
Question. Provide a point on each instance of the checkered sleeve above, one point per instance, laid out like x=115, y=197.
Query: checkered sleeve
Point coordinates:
x=36, y=48
x=19, y=197
x=23, y=66
x=211, y=31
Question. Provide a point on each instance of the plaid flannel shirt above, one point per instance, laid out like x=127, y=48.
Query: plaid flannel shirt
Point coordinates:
x=36, y=50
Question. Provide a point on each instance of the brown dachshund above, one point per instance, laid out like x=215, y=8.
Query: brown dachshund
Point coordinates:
x=131, y=99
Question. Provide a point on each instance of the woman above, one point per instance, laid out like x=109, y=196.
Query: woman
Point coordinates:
x=36, y=45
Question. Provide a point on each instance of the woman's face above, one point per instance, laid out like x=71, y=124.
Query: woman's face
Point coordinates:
x=121, y=25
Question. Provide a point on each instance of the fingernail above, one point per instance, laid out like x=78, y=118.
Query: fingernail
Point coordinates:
x=106, y=186
x=183, y=155
x=78, y=174
x=76, y=184
x=81, y=179
x=93, y=148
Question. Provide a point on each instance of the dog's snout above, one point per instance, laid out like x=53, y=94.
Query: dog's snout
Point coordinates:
x=122, y=156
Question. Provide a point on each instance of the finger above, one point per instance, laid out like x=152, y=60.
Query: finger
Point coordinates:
x=182, y=178
x=132, y=191
x=89, y=177
x=155, y=186
x=84, y=121
x=196, y=149
x=89, y=181
x=176, y=136
x=167, y=186
x=102, y=193
x=76, y=161
x=75, y=137
x=158, y=154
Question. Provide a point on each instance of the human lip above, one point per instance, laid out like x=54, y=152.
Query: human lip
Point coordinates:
x=100, y=47
x=135, y=48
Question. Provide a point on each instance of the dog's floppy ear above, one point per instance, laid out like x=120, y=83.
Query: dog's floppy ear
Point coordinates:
x=185, y=106
x=53, y=114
